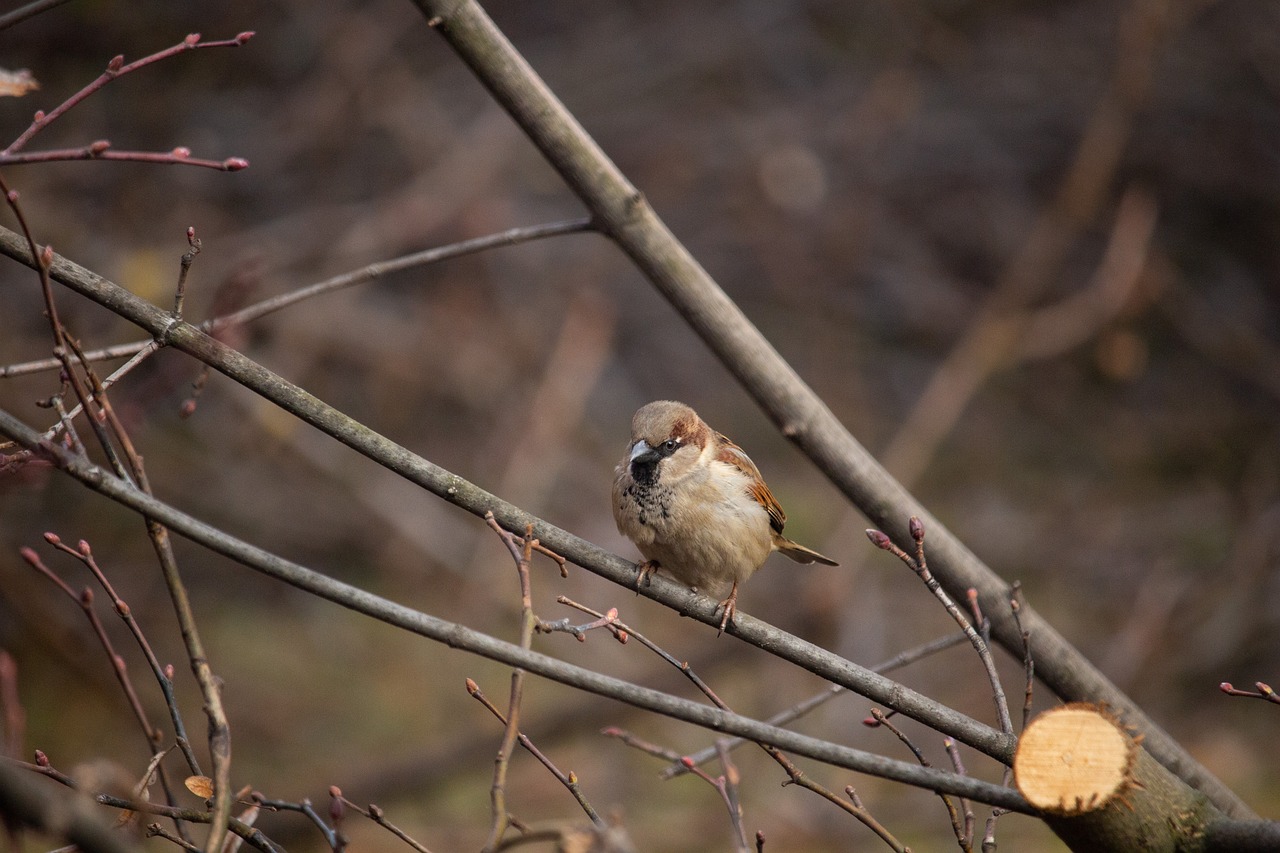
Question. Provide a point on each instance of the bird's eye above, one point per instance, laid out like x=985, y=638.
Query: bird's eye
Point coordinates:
x=670, y=445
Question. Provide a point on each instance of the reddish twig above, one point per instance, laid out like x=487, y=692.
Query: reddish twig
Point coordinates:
x=184, y=267
x=569, y=780
x=375, y=814
x=163, y=675
x=805, y=706
x=579, y=632
x=1264, y=691
x=521, y=550
x=85, y=600
x=638, y=743
x=964, y=832
x=116, y=68
x=218, y=728
x=101, y=150
x=883, y=720
x=794, y=774
x=919, y=565
x=217, y=325
x=1028, y=663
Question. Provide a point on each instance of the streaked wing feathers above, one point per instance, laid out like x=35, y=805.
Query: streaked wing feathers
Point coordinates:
x=732, y=454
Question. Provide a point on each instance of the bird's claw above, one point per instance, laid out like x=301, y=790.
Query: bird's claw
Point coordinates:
x=645, y=574
x=730, y=606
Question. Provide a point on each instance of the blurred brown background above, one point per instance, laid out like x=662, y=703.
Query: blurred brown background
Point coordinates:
x=868, y=180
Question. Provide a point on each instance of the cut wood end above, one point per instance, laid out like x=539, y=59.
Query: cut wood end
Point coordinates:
x=1074, y=759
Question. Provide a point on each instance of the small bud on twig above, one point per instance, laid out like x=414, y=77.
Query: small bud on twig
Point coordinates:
x=879, y=539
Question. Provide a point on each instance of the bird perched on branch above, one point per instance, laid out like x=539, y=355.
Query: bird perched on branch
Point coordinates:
x=696, y=505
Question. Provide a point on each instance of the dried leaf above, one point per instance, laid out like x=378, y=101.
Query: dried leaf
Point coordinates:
x=201, y=786
x=15, y=84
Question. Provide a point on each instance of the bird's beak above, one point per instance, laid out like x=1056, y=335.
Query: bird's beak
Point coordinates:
x=643, y=454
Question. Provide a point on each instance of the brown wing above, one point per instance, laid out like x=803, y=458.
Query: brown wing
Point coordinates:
x=732, y=454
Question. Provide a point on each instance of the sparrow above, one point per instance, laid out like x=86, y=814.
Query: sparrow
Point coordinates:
x=696, y=506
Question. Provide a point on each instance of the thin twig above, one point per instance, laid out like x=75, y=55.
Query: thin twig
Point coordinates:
x=795, y=775
x=116, y=68
x=184, y=267
x=964, y=833
x=638, y=743
x=803, y=707
x=1028, y=662
x=919, y=565
x=1264, y=691
x=510, y=237
x=84, y=554
x=250, y=834
x=101, y=150
x=375, y=814
x=85, y=601
x=883, y=720
x=219, y=731
x=331, y=836
x=569, y=780
x=20, y=14
x=522, y=554
x=154, y=829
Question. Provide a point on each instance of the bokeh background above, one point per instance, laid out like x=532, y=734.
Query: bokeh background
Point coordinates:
x=883, y=187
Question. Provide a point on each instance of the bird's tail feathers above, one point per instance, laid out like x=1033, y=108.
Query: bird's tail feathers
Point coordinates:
x=801, y=554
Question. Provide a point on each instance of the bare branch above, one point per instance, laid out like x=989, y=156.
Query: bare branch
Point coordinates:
x=459, y=636
x=459, y=491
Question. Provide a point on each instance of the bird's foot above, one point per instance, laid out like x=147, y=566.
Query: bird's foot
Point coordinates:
x=645, y=575
x=730, y=606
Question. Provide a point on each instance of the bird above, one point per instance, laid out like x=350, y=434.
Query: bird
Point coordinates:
x=696, y=506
